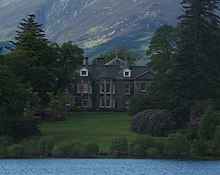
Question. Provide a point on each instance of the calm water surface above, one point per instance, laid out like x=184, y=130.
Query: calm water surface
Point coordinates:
x=107, y=166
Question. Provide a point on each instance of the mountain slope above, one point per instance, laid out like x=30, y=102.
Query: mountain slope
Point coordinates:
x=96, y=25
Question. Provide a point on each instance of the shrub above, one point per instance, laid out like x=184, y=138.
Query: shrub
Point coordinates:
x=5, y=142
x=53, y=115
x=16, y=150
x=153, y=121
x=23, y=128
x=139, y=146
x=199, y=147
x=138, y=103
x=90, y=149
x=62, y=149
x=176, y=145
x=152, y=152
x=119, y=146
x=210, y=120
x=216, y=142
x=45, y=146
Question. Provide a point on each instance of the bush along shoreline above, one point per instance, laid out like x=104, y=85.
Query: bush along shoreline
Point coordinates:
x=174, y=146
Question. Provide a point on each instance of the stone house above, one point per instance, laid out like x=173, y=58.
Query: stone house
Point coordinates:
x=109, y=86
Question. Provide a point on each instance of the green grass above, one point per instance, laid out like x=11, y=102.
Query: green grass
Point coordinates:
x=95, y=127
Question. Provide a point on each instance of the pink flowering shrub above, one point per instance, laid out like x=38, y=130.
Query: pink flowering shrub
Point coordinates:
x=152, y=121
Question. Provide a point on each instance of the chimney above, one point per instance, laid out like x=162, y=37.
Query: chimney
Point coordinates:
x=100, y=61
x=127, y=63
x=85, y=61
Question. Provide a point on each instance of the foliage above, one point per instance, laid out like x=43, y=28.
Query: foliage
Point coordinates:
x=119, y=146
x=59, y=101
x=90, y=149
x=75, y=149
x=216, y=142
x=5, y=142
x=177, y=145
x=152, y=152
x=152, y=121
x=45, y=146
x=193, y=78
x=68, y=56
x=16, y=150
x=138, y=103
x=53, y=115
x=23, y=128
x=140, y=144
x=209, y=121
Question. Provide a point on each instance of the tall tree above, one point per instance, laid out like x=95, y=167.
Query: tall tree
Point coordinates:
x=161, y=54
x=197, y=63
x=32, y=60
x=68, y=56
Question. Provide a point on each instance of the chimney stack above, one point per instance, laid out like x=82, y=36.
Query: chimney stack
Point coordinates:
x=85, y=61
x=127, y=63
x=100, y=62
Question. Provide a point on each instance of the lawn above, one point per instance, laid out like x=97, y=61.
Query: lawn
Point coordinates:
x=95, y=127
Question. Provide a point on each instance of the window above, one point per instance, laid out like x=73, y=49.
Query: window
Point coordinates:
x=127, y=73
x=78, y=88
x=113, y=88
x=90, y=89
x=84, y=72
x=85, y=86
x=102, y=89
x=127, y=102
x=127, y=89
x=143, y=87
x=108, y=88
x=108, y=103
x=102, y=103
x=85, y=103
x=113, y=105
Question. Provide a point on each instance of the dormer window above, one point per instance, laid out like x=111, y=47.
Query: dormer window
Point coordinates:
x=127, y=73
x=84, y=72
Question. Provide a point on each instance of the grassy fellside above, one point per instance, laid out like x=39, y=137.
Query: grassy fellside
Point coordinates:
x=95, y=127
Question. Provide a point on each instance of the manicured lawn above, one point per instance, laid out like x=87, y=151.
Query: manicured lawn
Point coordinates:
x=96, y=127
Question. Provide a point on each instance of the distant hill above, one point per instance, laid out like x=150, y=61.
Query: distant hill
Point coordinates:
x=96, y=25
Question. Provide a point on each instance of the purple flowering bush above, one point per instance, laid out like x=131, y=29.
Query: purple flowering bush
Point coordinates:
x=152, y=121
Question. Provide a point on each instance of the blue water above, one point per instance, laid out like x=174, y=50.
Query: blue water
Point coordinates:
x=107, y=166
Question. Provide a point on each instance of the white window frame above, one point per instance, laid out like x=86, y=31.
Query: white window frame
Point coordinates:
x=127, y=73
x=85, y=88
x=108, y=90
x=102, y=105
x=85, y=100
x=79, y=88
x=129, y=89
x=82, y=72
x=102, y=88
x=110, y=101
x=90, y=88
x=145, y=87
x=113, y=89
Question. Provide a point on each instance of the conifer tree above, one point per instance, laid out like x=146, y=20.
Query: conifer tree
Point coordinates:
x=32, y=60
x=197, y=62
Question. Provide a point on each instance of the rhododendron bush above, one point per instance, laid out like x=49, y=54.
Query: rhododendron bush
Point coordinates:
x=152, y=121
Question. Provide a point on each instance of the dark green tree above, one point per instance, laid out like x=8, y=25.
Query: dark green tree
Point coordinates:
x=161, y=53
x=68, y=56
x=197, y=63
x=32, y=59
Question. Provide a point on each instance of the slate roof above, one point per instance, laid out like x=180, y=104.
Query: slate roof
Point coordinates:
x=115, y=62
x=114, y=69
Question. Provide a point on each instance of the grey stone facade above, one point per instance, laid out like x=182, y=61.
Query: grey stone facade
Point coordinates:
x=109, y=86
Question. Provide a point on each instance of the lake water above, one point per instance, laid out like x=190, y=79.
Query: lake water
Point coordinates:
x=107, y=167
